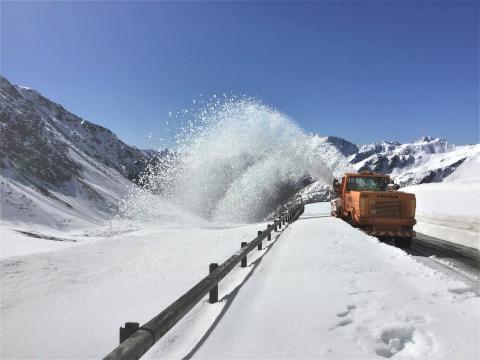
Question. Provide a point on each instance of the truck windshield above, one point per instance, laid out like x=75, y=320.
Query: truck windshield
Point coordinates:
x=364, y=183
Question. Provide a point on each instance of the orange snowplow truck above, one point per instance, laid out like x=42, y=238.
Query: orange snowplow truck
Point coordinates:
x=370, y=202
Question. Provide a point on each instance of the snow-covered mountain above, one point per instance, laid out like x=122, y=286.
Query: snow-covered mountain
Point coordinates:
x=425, y=160
x=345, y=147
x=57, y=168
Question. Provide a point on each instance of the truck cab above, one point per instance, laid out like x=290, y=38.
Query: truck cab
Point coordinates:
x=372, y=203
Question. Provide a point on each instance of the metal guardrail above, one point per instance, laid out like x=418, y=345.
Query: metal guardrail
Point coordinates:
x=136, y=341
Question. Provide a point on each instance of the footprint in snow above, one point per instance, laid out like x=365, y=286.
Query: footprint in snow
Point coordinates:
x=346, y=312
x=396, y=338
x=393, y=340
x=460, y=289
x=343, y=314
x=341, y=323
x=345, y=322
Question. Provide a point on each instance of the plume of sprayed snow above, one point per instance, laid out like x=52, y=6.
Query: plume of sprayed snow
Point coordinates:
x=238, y=160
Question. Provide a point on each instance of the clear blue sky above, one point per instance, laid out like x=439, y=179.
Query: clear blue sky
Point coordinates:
x=365, y=71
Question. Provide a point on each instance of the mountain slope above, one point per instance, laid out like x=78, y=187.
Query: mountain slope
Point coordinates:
x=57, y=168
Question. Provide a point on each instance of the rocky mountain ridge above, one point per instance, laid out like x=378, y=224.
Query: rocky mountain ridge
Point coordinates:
x=425, y=160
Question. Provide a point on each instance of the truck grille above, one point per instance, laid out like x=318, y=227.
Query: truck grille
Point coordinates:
x=392, y=208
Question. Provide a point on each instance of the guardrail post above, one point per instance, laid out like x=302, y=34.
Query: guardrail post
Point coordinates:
x=260, y=243
x=279, y=224
x=213, y=295
x=269, y=237
x=128, y=330
x=244, y=260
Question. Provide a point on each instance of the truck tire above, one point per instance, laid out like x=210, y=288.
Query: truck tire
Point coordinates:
x=349, y=219
x=403, y=243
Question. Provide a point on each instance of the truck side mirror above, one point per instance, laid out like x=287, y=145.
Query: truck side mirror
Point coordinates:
x=392, y=187
x=336, y=185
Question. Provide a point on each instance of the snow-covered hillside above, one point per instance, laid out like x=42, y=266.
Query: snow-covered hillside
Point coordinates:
x=450, y=210
x=56, y=169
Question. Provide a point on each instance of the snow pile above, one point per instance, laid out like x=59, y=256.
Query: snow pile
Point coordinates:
x=450, y=210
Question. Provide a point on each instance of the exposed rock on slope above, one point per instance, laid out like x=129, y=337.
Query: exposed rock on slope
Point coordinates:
x=345, y=147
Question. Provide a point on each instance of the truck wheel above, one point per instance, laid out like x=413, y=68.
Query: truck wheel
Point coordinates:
x=352, y=221
x=403, y=243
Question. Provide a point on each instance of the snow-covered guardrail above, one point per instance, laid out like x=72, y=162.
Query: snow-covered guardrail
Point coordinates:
x=136, y=340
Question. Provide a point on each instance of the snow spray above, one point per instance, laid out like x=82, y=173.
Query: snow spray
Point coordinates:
x=237, y=161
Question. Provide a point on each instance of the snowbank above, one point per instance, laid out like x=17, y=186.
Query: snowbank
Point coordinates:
x=450, y=210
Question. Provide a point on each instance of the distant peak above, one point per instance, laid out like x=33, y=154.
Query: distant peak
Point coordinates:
x=344, y=146
x=385, y=142
x=427, y=139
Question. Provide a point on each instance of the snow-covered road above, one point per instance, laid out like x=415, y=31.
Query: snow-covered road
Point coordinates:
x=322, y=289
x=327, y=290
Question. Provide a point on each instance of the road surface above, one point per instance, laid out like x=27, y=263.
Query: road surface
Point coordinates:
x=462, y=259
x=326, y=290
